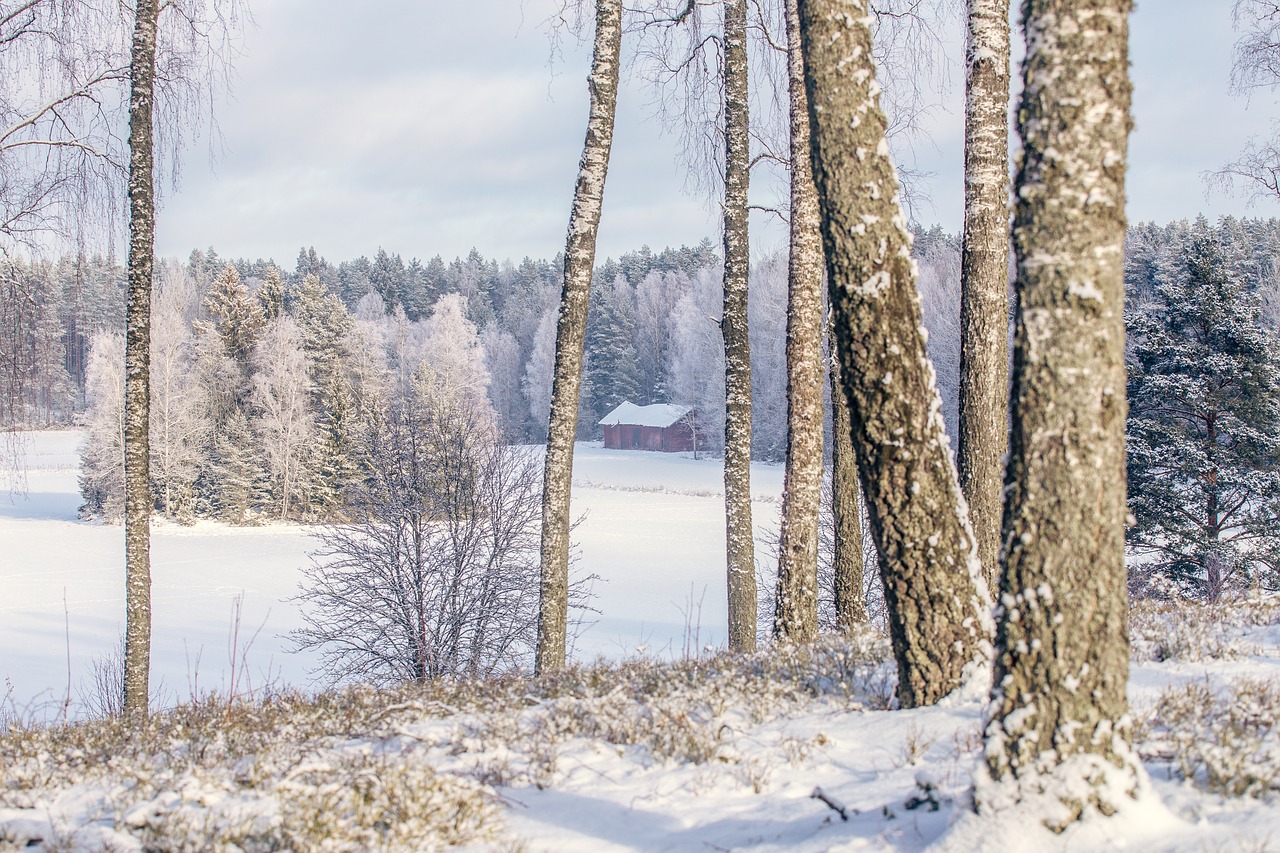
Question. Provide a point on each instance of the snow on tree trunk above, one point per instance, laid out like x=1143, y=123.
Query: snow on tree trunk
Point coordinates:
x=737, y=346
x=847, y=561
x=936, y=597
x=984, y=278
x=796, y=614
x=137, y=485
x=579, y=262
x=1058, y=738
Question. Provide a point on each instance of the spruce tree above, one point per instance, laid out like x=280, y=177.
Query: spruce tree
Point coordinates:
x=1204, y=427
x=237, y=317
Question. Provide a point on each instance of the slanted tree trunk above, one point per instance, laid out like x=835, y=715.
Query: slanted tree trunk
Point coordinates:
x=846, y=510
x=137, y=360
x=796, y=613
x=1057, y=735
x=737, y=347
x=936, y=598
x=984, y=278
x=579, y=262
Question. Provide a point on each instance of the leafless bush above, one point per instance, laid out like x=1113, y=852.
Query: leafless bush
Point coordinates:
x=1225, y=741
x=437, y=572
x=102, y=691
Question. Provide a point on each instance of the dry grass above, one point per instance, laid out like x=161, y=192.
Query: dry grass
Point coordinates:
x=352, y=769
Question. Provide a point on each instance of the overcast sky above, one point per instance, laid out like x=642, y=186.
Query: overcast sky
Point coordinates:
x=432, y=128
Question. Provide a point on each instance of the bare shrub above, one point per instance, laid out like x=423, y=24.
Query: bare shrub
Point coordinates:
x=437, y=572
x=1225, y=741
x=1180, y=630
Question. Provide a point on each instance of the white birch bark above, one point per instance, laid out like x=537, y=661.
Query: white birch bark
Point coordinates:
x=138, y=501
x=984, y=277
x=579, y=262
x=796, y=613
x=740, y=540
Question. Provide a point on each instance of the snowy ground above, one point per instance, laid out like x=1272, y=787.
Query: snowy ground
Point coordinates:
x=637, y=758
x=652, y=530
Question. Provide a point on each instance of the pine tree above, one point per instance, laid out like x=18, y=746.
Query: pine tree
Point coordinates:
x=237, y=316
x=271, y=296
x=1204, y=427
x=612, y=370
x=235, y=477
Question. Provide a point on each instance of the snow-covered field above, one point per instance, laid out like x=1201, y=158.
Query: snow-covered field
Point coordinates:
x=652, y=530
x=713, y=754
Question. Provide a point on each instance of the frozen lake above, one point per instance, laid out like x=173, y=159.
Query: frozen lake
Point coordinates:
x=653, y=532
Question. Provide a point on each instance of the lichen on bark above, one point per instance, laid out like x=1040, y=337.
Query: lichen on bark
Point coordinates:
x=937, y=600
x=1058, y=731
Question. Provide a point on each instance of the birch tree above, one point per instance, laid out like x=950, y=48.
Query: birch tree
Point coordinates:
x=1255, y=66
x=739, y=533
x=984, y=276
x=137, y=357
x=1058, y=740
x=796, y=615
x=847, y=556
x=180, y=420
x=934, y=591
x=281, y=391
x=61, y=155
x=579, y=263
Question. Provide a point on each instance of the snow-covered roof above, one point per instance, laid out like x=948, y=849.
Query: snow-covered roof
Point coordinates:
x=657, y=415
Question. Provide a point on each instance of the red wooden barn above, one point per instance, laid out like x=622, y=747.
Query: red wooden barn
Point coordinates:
x=661, y=427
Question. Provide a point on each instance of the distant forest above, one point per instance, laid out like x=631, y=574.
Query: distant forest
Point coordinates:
x=226, y=331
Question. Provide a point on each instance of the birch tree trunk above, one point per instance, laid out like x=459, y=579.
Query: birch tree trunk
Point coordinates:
x=579, y=262
x=936, y=597
x=984, y=278
x=737, y=347
x=796, y=614
x=137, y=359
x=847, y=561
x=1058, y=732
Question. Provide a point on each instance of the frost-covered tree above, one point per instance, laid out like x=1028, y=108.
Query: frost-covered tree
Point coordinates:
x=695, y=372
x=272, y=295
x=655, y=296
x=236, y=316
x=1256, y=67
x=281, y=389
x=768, y=312
x=453, y=361
x=505, y=365
x=1204, y=427
x=102, y=454
x=536, y=381
x=236, y=472
x=180, y=420
x=612, y=372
